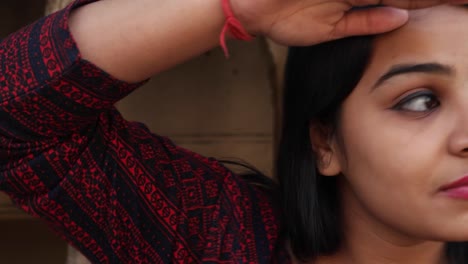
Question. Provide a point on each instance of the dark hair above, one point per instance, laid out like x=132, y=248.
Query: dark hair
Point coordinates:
x=317, y=80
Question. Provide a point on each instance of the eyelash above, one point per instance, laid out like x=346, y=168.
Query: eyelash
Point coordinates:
x=427, y=95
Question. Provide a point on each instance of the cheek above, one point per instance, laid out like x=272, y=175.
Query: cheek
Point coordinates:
x=376, y=162
x=388, y=167
x=383, y=152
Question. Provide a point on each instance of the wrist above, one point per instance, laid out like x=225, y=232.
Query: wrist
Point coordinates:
x=232, y=27
x=246, y=18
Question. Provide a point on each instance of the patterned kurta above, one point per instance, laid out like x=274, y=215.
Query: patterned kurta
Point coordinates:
x=110, y=187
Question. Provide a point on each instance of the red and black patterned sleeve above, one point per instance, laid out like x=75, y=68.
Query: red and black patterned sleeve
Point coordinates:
x=47, y=90
x=110, y=187
x=48, y=94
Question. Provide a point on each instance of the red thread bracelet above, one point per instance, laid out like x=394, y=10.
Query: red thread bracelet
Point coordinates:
x=234, y=26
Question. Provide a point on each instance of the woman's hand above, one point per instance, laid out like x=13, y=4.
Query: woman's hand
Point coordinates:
x=307, y=22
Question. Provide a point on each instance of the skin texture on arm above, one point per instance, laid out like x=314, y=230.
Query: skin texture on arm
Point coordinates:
x=134, y=40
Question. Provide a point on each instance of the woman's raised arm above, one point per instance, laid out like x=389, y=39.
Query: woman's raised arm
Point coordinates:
x=134, y=40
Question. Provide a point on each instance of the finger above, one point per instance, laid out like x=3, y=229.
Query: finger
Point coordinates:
x=370, y=21
x=406, y=4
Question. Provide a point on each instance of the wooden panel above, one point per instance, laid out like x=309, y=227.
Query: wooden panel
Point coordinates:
x=29, y=241
x=8, y=211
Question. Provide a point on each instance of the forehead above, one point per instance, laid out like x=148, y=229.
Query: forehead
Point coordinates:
x=433, y=34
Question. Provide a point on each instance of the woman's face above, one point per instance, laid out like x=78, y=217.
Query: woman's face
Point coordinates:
x=405, y=131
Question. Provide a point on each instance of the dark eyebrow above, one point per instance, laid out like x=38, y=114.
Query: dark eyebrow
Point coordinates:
x=435, y=68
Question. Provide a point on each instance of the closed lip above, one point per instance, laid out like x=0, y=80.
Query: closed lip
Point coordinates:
x=463, y=181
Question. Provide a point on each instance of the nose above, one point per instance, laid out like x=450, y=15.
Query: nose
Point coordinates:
x=458, y=142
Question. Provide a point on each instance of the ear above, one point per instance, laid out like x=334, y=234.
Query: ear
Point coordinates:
x=326, y=149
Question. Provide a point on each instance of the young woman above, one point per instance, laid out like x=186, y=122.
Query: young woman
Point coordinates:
x=373, y=162
x=121, y=194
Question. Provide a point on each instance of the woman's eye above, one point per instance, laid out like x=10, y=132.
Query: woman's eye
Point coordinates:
x=418, y=103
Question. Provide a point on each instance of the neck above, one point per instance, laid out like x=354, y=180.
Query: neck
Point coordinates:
x=364, y=251
x=360, y=251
